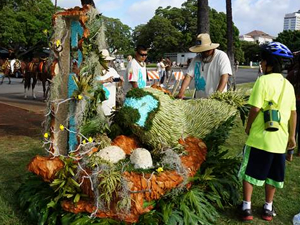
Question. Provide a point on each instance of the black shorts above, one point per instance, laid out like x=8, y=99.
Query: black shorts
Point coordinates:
x=260, y=166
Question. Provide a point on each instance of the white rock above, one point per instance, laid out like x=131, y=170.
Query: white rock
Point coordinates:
x=111, y=153
x=141, y=158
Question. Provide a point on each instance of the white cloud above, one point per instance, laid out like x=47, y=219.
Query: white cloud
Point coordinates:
x=264, y=15
x=248, y=15
x=67, y=3
x=108, y=6
x=141, y=12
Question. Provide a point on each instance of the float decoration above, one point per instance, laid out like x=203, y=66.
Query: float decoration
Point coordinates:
x=157, y=148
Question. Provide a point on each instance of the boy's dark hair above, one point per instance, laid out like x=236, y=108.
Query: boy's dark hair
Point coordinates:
x=272, y=60
x=141, y=48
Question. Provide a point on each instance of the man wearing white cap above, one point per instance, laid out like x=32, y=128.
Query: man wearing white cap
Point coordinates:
x=109, y=79
x=210, y=69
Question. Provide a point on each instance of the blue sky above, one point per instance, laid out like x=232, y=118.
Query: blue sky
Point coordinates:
x=248, y=15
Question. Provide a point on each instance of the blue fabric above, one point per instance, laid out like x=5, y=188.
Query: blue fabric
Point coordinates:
x=107, y=93
x=72, y=107
x=76, y=30
x=80, y=58
x=200, y=82
x=144, y=105
x=141, y=82
x=71, y=85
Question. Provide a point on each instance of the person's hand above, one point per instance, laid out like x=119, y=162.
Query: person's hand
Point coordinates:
x=291, y=143
x=179, y=96
x=108, y=80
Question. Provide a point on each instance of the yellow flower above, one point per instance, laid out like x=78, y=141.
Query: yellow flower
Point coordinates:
x=57, y=43
x=79, y=97
x=61, y=127
x=90, y=139
x=46, y=135
x=160, y=169
x=45, y=31
x=84, y=142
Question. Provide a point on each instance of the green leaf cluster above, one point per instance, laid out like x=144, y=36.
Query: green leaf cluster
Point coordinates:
x=290, y=38
x=64, y=184
x=22, y=22
x=110, y=183
x=236, y=99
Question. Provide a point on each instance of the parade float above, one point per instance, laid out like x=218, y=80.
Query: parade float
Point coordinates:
x=156, y=160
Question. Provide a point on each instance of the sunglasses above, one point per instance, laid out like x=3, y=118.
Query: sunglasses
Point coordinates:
x=142, y=54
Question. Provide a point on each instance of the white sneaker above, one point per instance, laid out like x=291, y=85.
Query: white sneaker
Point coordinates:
x=162, y=85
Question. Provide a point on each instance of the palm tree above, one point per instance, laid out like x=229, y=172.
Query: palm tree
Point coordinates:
x=230, y=52
x=203, y=17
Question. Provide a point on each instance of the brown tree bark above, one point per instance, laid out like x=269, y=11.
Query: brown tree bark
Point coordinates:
x=88, y=2
x=230, y=50
x=203, y=17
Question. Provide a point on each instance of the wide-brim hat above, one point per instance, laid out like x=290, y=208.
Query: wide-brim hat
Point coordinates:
x=203, y=44
x=106, y=56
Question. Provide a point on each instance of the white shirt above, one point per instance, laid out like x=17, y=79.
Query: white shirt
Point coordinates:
x=207, y=75
x=12, y=65
x=110, y=91
x=137, y=73
x=160, y=67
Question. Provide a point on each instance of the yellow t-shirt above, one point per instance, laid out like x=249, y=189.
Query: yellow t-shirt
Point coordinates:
x=268, y=88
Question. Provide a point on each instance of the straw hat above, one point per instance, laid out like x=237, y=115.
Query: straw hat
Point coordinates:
x=105, y=55
x=203, y=44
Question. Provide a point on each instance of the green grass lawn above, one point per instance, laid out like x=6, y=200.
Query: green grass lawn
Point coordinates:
x=17, y=151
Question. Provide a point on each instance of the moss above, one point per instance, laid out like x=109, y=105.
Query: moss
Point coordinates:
x=140, y=93
x=127, y=116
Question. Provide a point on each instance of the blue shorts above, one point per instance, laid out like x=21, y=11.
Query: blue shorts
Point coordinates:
x=260, y=166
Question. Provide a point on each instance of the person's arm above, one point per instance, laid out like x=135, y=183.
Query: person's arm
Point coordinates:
x=134, y=84
x=252, y=115
x=108, y=80
x=292, y=130
x=223, y=82
x=185, y=84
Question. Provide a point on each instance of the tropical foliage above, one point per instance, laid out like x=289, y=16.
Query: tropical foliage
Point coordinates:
x=175, y=30
x=290, y=38
x=22, y=23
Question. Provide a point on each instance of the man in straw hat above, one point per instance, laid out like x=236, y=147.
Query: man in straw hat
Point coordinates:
x=210, y=69
x=109, y=79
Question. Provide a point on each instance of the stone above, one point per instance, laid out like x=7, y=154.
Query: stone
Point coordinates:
x=112, y=154
x=141, y=158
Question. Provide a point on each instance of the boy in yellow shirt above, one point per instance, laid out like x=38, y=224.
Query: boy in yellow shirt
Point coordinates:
x=264, y=153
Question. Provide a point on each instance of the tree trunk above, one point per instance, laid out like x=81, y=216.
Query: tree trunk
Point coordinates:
x=88, y=2
x=203, y=17
x=230, y=40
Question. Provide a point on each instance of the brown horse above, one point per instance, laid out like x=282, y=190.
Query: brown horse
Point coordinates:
x=44, y=74
x=6, y=69
x=39, y=69
x=31, y=73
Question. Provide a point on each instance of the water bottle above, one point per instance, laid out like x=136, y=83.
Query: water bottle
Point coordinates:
x=296, y=219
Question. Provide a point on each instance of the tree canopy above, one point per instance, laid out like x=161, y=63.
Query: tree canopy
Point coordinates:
x=174, y=29
x=22, y=23
x=290, y=38
x=118, y=36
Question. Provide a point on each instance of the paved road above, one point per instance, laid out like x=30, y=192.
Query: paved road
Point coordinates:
x=13, y=94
